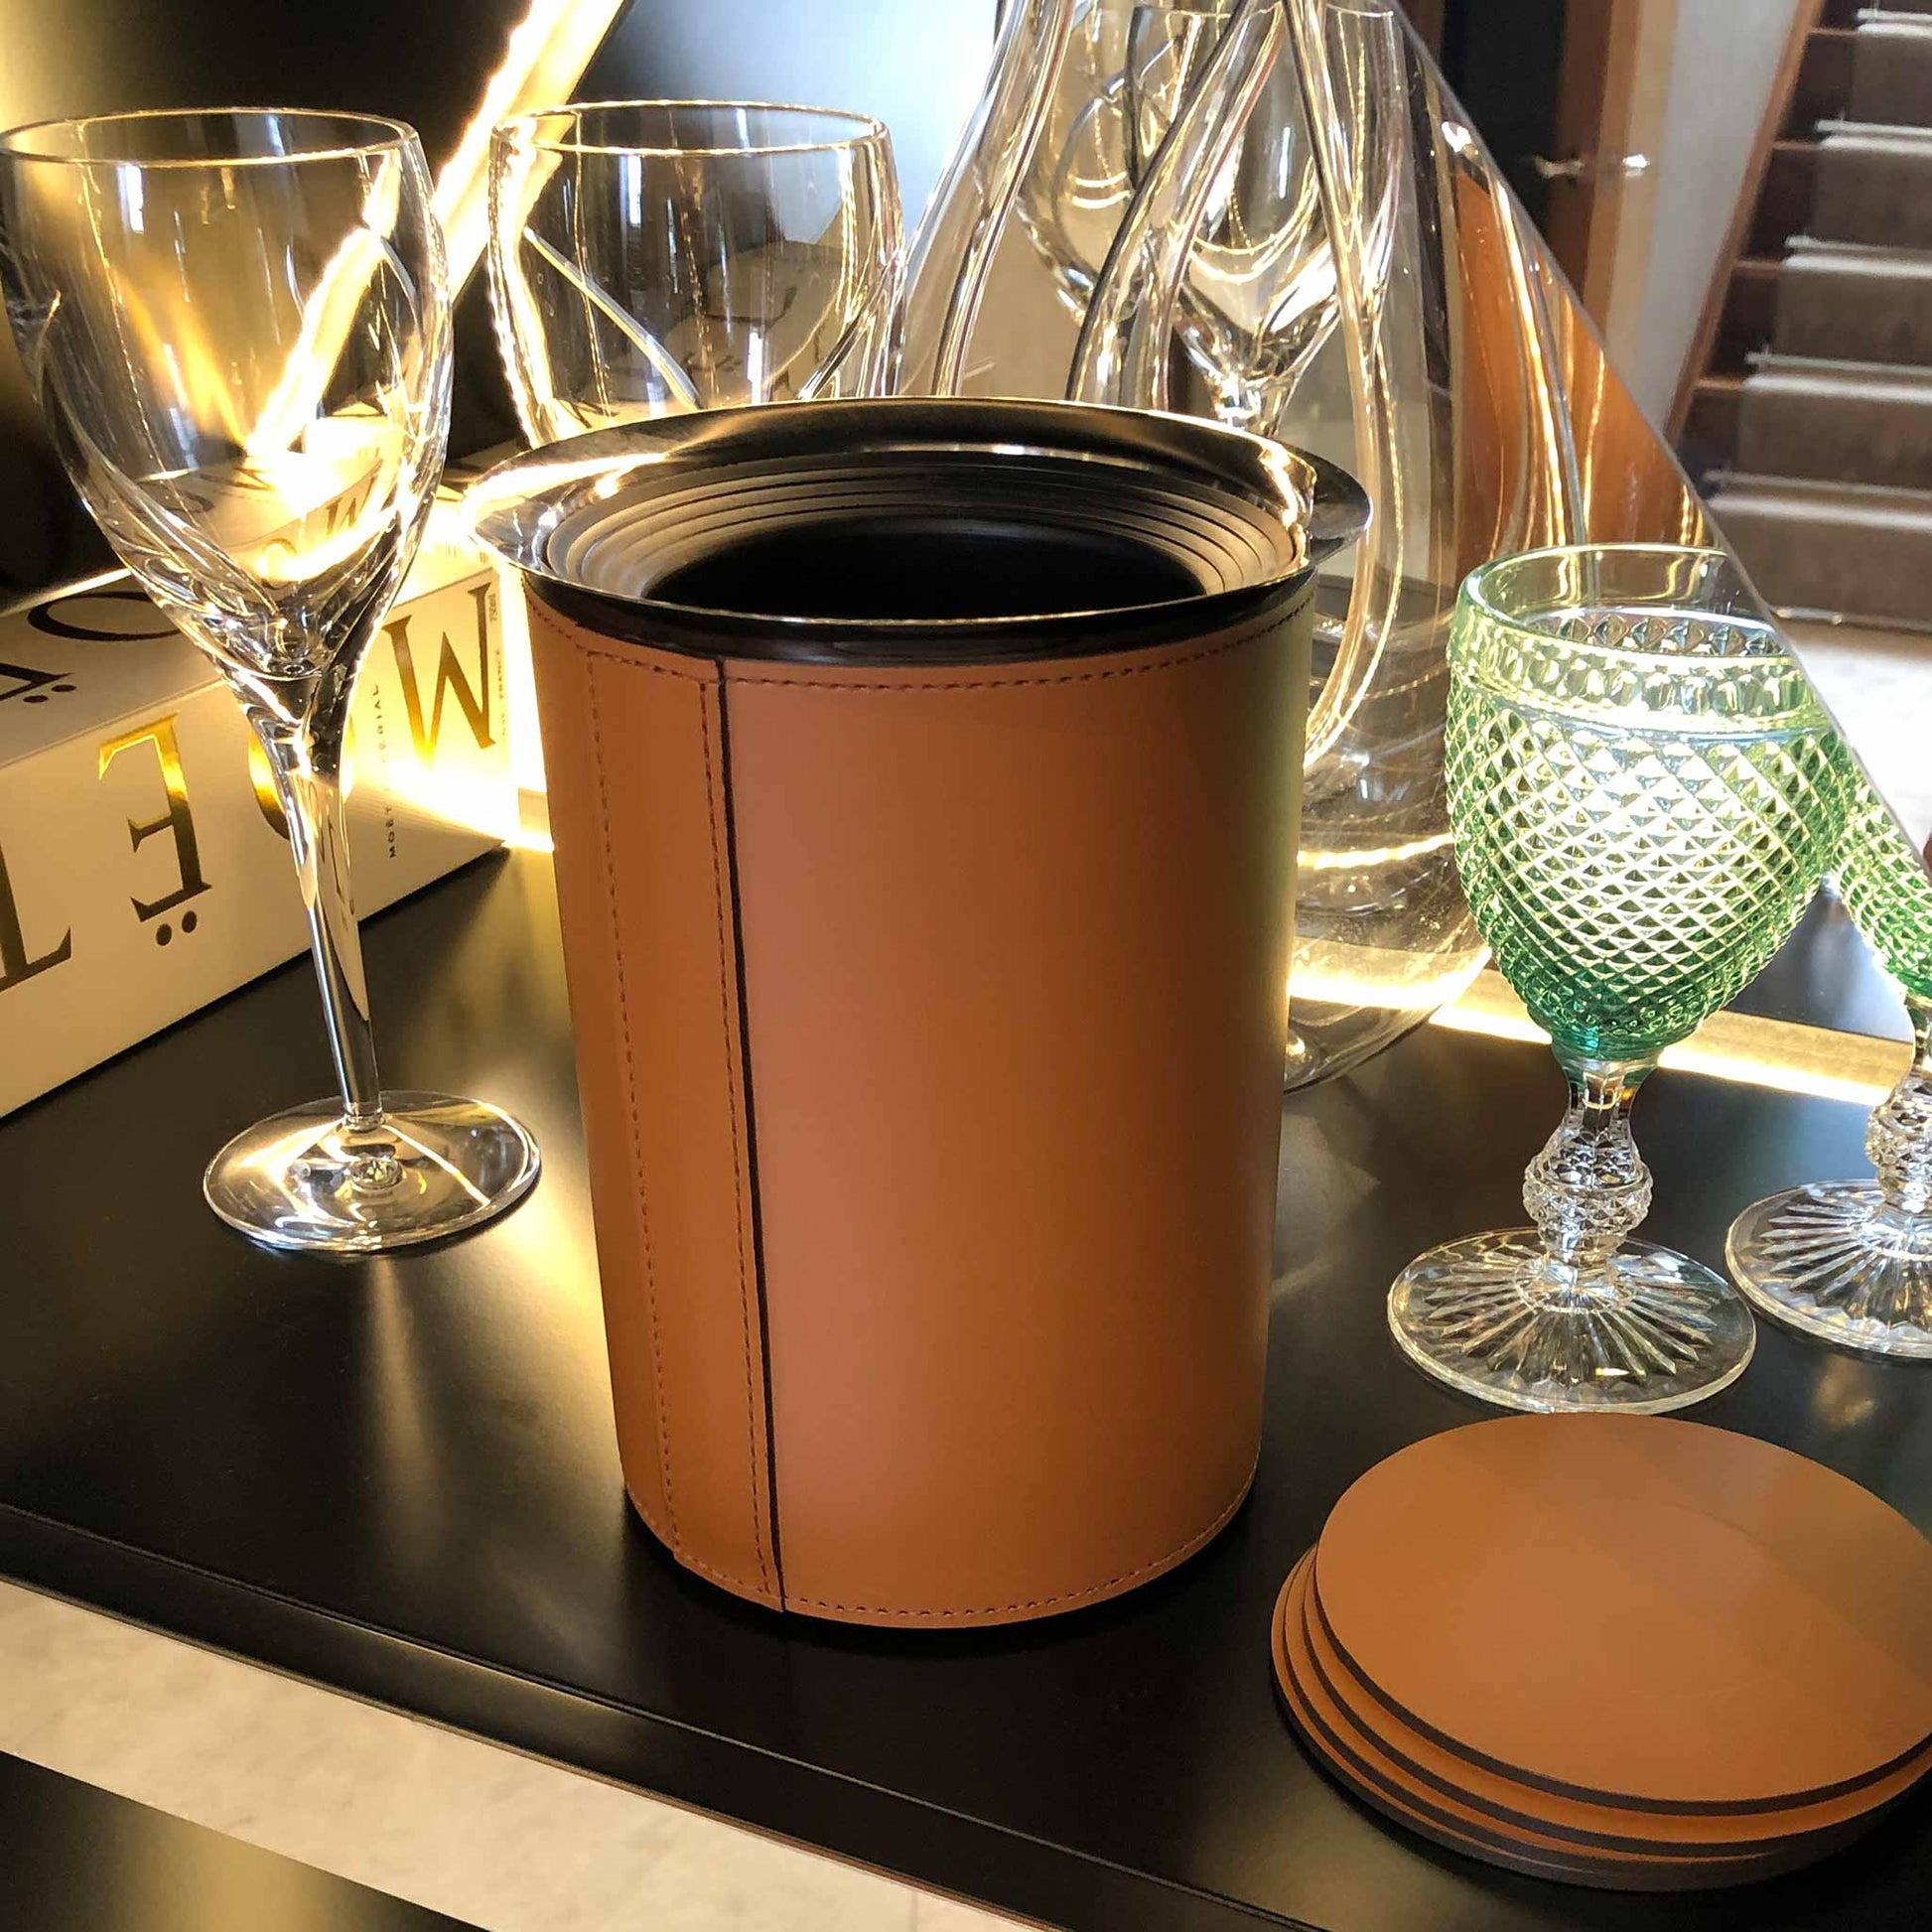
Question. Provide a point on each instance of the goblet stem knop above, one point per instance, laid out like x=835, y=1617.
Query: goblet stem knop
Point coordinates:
x=1590, y=1188
x=1898, y=1137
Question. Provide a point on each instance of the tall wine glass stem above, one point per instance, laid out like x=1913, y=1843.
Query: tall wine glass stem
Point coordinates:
x=1898, y=1137
x=363, y=1177
x=1588, y=1188
x=1242, y=404
x=307, y=762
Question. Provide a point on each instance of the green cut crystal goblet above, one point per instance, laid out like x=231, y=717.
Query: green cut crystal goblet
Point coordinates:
x=1850, y=1261
x=1644, y=793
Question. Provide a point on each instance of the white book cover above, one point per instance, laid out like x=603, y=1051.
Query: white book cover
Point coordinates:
x=144, y=869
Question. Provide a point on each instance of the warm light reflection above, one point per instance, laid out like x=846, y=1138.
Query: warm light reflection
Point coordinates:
x=1740, y=1048
x=526, y=744
x=1388, y=978
x=1358, y=858
x=332, y=310
x=474, y=801
x=543, y=60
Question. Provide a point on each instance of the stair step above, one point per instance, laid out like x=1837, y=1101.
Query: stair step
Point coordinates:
x=1853, y=303
x=1824, y=82
x=1845, y=422
x=1749, y=315
x=1874, y=185
x=1865, y=553
x=1709, y=439
x=1892, y=70
x=1784, y=201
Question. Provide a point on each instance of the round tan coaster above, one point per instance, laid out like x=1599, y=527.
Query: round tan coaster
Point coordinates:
x=1636, y=1611
x=1790, y=1837
x=1462, y=1830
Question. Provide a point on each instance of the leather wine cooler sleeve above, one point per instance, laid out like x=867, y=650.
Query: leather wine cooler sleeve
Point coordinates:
x=929, y=1023
x=929, y=1031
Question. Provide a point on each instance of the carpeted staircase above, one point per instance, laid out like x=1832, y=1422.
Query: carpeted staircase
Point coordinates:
x=1827, y=489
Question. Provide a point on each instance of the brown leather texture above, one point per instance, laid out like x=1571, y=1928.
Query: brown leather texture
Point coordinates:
x=1747, y=1629
x=929, y=1029
x=1759, y=1619
x=634, y=763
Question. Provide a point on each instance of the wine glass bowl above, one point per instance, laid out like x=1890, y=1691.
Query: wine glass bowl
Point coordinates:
x=1641, y=799
x=1644, y=793
x=1260, y=296
x=258, y=437
x=237, y=323
x=652, y=257
x=1076, y=184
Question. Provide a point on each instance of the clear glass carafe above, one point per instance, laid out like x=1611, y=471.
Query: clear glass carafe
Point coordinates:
x=1450, y=369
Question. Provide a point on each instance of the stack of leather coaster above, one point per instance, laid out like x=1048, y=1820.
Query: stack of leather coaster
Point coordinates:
x=1620, y=1652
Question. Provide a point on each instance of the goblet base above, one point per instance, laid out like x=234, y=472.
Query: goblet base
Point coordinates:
x=1644, y=1333
x=1836, y=1262
x=431, y=1165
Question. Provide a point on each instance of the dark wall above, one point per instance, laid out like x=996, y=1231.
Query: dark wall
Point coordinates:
x=420, y=60
x=1502, y=60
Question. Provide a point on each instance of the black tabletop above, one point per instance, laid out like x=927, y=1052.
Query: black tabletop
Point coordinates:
x=399, y=1476
x=74, y=1859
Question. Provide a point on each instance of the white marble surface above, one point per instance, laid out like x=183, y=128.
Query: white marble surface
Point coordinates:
x=505, y=1842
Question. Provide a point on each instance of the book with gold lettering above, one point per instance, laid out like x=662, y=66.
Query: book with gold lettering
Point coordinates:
x=144, y=865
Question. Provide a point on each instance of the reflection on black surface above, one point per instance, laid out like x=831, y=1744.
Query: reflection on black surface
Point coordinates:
x=424, y=1445
x=74, y=1859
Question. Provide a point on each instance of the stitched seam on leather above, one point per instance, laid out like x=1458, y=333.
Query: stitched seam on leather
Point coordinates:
x=1215, y=650
x=573, y=638
x=1070, y=1599
x=741, y=1585
x=704, y=671
x=637, y=1130
x=737, y=676
x=738, y=1169
x=574, y=635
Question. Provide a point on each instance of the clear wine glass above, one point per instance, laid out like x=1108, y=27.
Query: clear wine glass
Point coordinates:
x=1259, y=297
x=237, y=323
x=650, y=257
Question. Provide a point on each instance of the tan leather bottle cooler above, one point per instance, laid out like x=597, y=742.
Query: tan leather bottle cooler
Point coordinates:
x=923, y=778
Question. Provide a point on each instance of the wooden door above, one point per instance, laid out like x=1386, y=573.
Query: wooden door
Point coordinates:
x=1570, y=96
x=1612, y=82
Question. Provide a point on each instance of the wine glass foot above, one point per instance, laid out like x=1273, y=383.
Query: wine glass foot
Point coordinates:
x=1647, y=1331
x=1835, y=1262
x=431, y=1165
